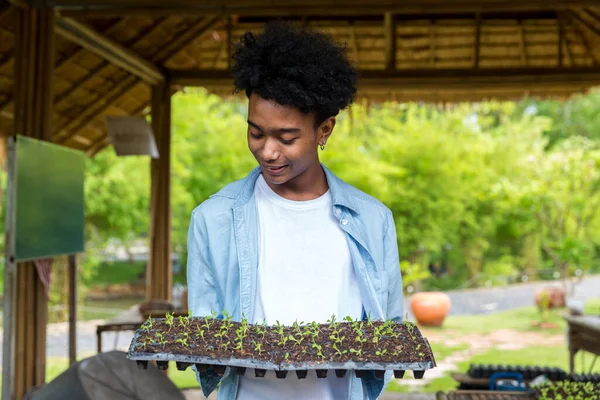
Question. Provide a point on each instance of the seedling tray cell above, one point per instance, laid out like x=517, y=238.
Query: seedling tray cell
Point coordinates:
x=361, y=346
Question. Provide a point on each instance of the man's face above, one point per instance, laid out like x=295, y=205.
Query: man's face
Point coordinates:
x=283, y=140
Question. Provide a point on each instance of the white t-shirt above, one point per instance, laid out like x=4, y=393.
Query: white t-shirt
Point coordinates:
x=305, y=274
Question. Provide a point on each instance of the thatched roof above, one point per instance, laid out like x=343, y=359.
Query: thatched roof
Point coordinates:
x=109, y=52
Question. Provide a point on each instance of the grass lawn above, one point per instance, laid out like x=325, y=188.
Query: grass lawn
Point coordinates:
x=519, y=320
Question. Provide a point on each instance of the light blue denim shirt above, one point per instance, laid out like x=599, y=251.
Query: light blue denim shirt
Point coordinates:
x=223, y=260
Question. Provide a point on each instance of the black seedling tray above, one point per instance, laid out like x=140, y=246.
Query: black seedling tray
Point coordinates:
x=280, y=367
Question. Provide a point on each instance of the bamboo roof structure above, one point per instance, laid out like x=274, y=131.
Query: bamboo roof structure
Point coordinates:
x=109, y=53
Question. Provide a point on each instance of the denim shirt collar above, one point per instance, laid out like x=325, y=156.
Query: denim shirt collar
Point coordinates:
x=339, y=193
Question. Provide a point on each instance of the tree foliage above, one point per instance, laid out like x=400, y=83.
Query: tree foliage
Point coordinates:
x=488, y=188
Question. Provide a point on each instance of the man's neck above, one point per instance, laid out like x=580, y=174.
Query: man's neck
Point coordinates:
x=309, y=185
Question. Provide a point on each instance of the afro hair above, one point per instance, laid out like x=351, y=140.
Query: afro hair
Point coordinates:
x=294, y=67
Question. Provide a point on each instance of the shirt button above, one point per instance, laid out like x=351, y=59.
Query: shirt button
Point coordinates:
x=338, y=211
x=344, y=221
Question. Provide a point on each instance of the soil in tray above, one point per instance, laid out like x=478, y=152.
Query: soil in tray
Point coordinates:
x=358, y=341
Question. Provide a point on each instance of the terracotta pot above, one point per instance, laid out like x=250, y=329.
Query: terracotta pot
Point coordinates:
x=430, y=308
x=556, y=297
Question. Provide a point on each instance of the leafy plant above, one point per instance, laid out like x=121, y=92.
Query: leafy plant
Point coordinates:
x=169, y=319
x=258, y=347
x=566, y=390
x=319, y=350
x=358, y=352
x=147, y=325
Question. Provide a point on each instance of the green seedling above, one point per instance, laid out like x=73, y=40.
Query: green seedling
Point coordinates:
x=261, y=329
x=297, y=341
x=358, y=352
x=146, y=326
x=258, y=347
x=319, y=350
x=381, y=352
x=338, y=351
x=169, y=320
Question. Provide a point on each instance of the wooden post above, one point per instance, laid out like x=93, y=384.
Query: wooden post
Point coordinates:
x=72, y=309
x=34, y=60
x=159, y=277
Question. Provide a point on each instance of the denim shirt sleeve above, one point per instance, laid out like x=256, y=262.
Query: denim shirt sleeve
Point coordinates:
x=395, y=305
x=374, y=387
x=202, y=295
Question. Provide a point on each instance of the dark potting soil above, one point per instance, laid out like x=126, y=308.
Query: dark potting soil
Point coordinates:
x=359, y=341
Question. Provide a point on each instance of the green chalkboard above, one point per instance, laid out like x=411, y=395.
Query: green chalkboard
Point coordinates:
x=49, y=200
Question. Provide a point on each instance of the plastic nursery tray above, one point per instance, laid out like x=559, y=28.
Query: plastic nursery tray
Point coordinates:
x=183, y=361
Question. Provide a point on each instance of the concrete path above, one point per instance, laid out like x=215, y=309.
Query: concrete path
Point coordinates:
x=488, y=300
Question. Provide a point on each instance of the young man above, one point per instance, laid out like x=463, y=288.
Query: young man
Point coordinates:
x=291, y=241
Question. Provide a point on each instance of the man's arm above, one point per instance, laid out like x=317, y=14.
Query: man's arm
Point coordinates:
x=372, y=386
x=202, y=295
x=392, y=267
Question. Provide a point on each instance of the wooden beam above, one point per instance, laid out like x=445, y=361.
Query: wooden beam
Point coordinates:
x=592, y=14
x=164, y=54
x=591, y=27
x=90, y=114
x=9, y=101
x=389, y=27
x=108, y=49
x=93, y=72
x=434, y=79
x=159, y=273
x=102, y=8
x=477, y=46
x=567, y=42
x=584, y=39
x=523, y=44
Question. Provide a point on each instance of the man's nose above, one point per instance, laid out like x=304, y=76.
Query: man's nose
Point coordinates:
x=270, y=150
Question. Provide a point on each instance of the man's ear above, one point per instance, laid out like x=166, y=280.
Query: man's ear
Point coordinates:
x=325, y=130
